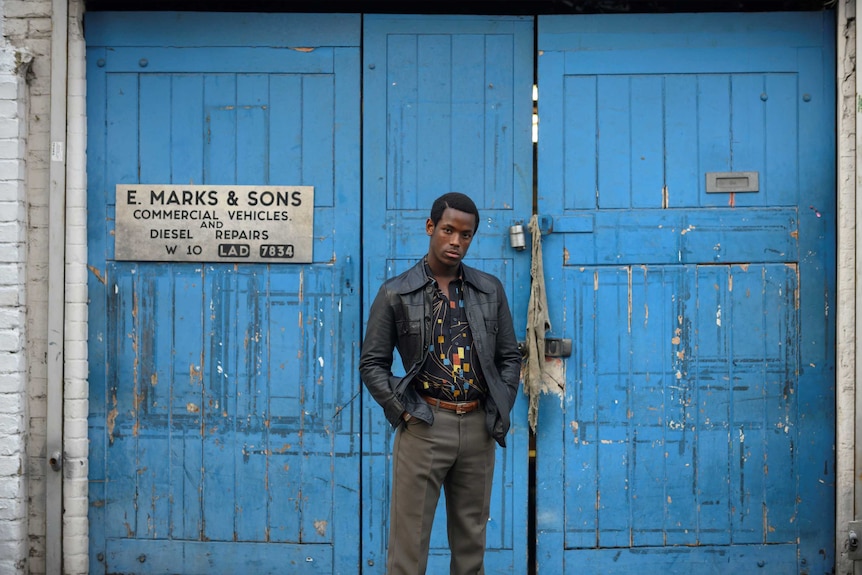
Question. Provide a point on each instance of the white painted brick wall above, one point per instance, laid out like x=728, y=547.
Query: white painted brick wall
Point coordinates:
x=24, y=160
x=14, y=486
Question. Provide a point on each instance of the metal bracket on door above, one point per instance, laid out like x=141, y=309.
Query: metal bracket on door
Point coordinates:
x=554, y=347
x=854, y=547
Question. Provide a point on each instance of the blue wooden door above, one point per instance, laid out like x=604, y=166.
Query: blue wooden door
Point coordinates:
x=224, y=412
x=446, y=107
x=695, y=427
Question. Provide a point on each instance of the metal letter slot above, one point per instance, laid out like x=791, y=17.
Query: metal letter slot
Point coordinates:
x=727, y=182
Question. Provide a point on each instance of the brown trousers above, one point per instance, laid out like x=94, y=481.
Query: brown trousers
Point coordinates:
x=457, y=454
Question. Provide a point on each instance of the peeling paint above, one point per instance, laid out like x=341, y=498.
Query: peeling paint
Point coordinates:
x=98, y=274
x=111, y=420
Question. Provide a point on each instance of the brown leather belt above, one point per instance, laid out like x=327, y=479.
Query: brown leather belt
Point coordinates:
x=459, y=407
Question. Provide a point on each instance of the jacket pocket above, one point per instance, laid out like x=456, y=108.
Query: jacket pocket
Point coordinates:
x=409, y=340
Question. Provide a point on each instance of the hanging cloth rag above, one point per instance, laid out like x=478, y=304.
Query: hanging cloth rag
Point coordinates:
x=538, y=323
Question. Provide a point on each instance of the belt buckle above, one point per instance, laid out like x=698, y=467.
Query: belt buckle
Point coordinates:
x=461, y=408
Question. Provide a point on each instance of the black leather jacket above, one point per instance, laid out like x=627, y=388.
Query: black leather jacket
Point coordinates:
x=400, y=318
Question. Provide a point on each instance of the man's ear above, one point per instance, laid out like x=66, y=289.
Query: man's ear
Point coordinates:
x=429, y=227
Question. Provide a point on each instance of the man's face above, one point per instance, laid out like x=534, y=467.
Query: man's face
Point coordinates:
x=450, y=238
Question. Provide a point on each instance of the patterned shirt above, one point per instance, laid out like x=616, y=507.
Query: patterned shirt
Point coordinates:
x=451, y=370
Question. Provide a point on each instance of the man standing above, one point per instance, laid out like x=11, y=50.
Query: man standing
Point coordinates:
x=452, y=327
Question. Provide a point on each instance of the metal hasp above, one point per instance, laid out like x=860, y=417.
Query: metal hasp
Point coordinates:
x=726, y=182
x=555, y=347
x=854, y=548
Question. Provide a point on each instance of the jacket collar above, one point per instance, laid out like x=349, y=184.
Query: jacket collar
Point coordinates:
x=415, y=278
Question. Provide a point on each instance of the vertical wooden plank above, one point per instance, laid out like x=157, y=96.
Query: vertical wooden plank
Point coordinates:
x=402, y=114
x=97, y=290
x=220, y=128
x=220, y=378
x=186, y=464
x=580, y=139
x=285, y=120
x=715, y=374
x=781, y=507
x=252, y=115
x=651, y=346
x=779, y=180
x=647, y=141
x=468, y=131
x=435, y=91
x=346, y=528
x=286, y=359
x=551, y=146
x=613, y=498
x=578, y=431
x=682, y=169
x=681, y=412
x=317, y=477
x=754, y=332
x=614, y=142
x=502, y=96
x=122, y=452
x=250, y=453
x=318, y=109
x=713, y=132
x=748, y=132
x=816, y=384
x=187, y=129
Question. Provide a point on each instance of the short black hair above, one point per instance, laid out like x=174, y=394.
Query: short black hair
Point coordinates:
x=456, y=201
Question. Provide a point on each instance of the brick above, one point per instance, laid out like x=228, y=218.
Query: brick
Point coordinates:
x=12, y=363
x=11, y=489
x=12, y=382
x=10, y=232
x=9, y=109
x=9, y=87
x=10, y=319
x=12, y=170
x=12, y=509
x=10, y=465
x=12, y=426
x=12, y=149
x=12, y=253
x=11, y=342
x=39, y=27
x=11, y=404
x=10, y=273
x=15, y=28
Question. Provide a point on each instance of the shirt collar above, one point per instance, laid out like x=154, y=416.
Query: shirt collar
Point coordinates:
x=430, y=275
